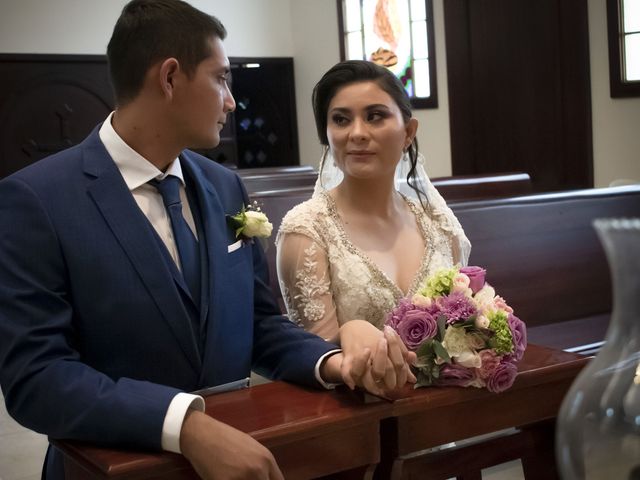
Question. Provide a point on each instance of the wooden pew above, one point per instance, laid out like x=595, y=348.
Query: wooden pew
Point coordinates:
x=543, y=256
x=276, y=203
x=277, y=178
x=475, y=187
x=340, y=434
x=455, y=188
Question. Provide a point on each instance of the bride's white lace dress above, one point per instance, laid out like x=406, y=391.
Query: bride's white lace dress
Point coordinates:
x=326, y=280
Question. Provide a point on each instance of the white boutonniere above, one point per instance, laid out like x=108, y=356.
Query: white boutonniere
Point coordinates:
x=250, y=222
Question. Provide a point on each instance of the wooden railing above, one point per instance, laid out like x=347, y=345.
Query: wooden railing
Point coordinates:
x=346, y=434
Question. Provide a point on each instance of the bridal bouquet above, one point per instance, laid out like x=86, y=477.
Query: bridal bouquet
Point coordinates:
x=462, y=332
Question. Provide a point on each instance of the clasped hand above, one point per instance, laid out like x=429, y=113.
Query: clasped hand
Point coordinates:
x=375, y=360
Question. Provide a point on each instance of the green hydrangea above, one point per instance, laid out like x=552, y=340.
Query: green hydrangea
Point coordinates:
x=439, y=284
x=502, y=341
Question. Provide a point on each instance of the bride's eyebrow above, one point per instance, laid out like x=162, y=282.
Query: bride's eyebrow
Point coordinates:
x=343, y=110
x=375, y=106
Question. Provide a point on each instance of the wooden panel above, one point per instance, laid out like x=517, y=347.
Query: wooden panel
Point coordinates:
x=519, y=89
x=49, y=103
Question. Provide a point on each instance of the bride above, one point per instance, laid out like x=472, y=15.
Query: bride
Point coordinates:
x=375, y=227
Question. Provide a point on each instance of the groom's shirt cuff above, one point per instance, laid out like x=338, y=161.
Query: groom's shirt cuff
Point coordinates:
x=174, y=418
x=328, y=386
x=182, y=402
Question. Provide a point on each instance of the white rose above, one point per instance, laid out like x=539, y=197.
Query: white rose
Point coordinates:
x=482, y=321
x=421, y=301
x=468, y=359
x=461, y=280
x=484, y=297
x=256, y=224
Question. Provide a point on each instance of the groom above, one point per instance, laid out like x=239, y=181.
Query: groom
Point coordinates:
x=122, y=285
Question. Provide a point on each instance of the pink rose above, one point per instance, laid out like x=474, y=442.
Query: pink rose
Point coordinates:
x=490, y=362
x=502, y=377
x=500, y=303
x=415, y=327
x=456, y=375
x=476, y=277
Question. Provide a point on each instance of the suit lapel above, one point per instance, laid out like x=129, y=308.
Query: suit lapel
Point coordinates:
x=135, y=235
x=215, y=230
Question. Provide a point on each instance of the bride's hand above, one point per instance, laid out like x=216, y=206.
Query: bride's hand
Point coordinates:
x=375, y=360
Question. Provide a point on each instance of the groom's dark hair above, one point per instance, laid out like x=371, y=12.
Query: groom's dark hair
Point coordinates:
x=149, y=31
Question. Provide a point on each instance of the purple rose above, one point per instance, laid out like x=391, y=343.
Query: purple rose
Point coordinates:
x=397, y=314
x=456, y=375
x=476, y=277
x=519, y=334
x=502, y=377
x=415, y=327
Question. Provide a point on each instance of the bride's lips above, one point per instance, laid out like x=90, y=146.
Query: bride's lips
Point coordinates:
x=360, y=153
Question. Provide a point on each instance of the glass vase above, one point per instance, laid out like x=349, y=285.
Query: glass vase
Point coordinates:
x=598, y=428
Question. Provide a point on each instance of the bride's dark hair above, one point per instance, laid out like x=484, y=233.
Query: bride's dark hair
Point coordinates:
x=352, y=71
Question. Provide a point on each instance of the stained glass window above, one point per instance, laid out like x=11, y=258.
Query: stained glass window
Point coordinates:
x=623, y=18
x=397, y=34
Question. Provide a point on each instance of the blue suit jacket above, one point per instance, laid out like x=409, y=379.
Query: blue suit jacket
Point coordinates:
x=94, y=338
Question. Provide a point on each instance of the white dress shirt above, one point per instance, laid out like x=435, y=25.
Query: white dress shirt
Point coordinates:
x=137, y=171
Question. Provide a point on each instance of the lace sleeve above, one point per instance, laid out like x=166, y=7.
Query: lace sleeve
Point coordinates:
x=303, y=273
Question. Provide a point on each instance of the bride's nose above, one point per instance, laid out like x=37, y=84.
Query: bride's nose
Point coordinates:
x=359, y=131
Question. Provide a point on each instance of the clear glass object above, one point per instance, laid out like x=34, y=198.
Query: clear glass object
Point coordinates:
x=598, y=427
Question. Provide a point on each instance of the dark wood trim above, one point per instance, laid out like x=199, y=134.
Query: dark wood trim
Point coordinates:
x=51, y=58
x=618, y=87
x=460, y=75
x=432, y=101
x=576, y=92
x=343, y=50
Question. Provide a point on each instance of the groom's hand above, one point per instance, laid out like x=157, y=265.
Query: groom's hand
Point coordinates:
x=374, y=360
x=219, y=451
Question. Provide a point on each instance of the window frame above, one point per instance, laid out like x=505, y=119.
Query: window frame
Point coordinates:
x=619, y=87
x=416, y=102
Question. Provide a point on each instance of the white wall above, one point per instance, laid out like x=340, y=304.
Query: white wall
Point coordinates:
x=616, y=122
x=256, y=27
x=308, y=31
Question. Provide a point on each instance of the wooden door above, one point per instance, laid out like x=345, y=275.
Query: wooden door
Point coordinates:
x=519, y=89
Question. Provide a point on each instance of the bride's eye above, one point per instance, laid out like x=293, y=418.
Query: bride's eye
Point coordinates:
x=339, y=120
x=376, y=116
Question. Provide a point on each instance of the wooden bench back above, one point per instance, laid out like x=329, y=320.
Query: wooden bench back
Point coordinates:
x=474, y=187
x=456, y=188
x=276, y=204
x=542, y=253
x=257, y=180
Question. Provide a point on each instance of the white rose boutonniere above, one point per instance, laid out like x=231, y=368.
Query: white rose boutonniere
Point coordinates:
x=251, y=222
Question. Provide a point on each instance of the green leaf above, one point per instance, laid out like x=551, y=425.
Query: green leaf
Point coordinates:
x=442, y=326
x=441, y=351
x=425, y=349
